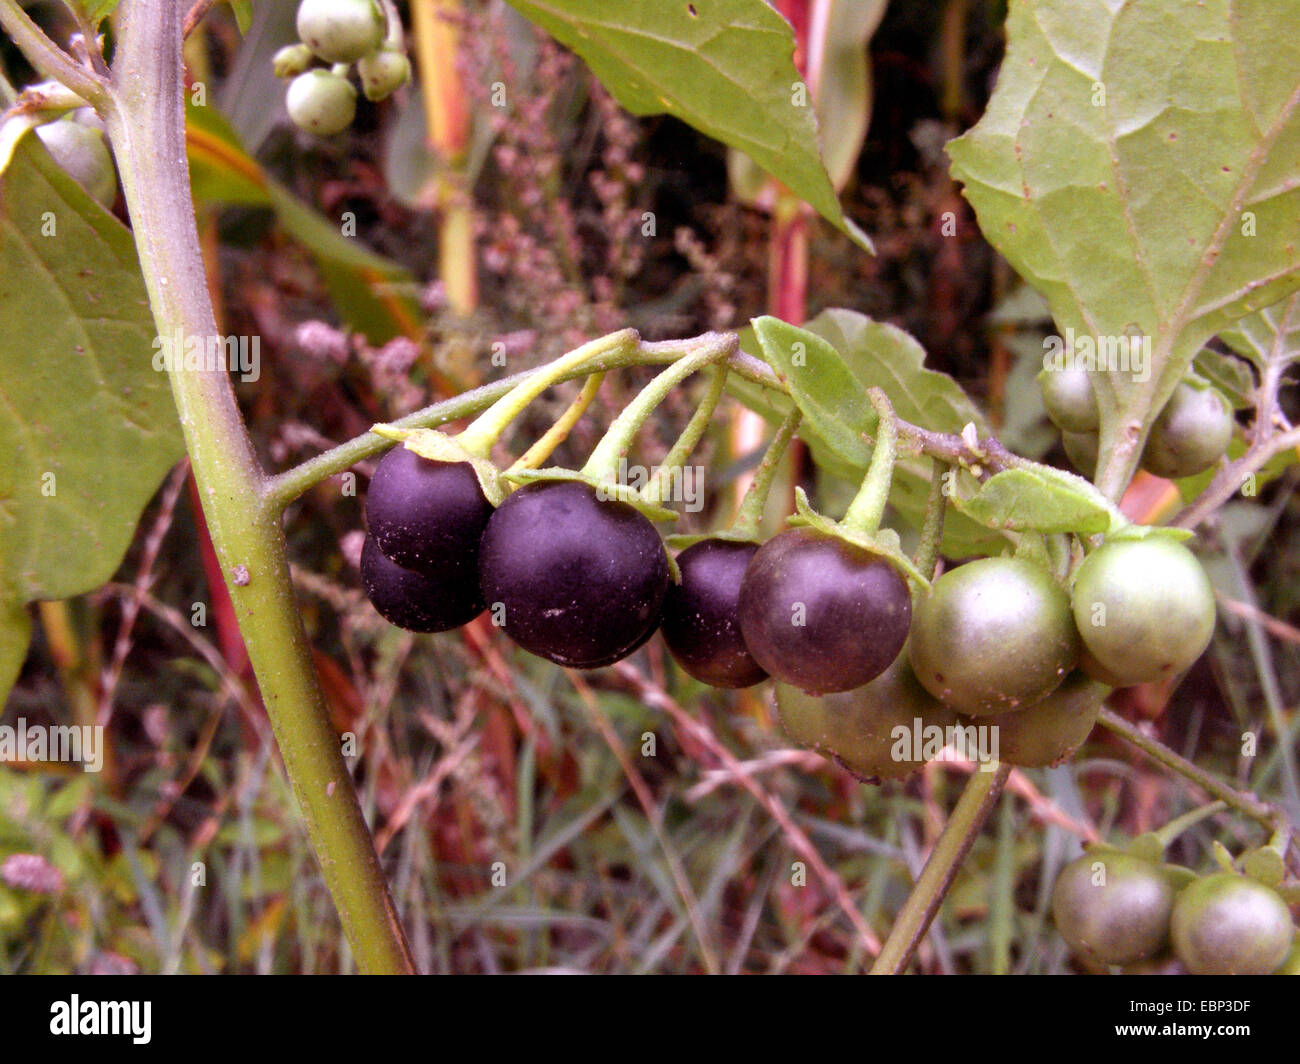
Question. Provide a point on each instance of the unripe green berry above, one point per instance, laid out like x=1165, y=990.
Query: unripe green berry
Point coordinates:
x=383, y=73
x=340, y=31
x=321, y=102
x=291, y=60
x=81, y=151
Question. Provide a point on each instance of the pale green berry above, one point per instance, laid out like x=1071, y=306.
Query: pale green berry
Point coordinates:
x=383, y=73
x=340, y=31
x=82, y=152
x=321, y=102
x=291, y=60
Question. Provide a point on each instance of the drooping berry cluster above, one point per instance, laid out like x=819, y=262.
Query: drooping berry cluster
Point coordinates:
x=341, y=33
x=1113, y=907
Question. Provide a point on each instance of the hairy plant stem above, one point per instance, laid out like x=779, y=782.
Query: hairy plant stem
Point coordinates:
x=936, y=509
x=696, y=355
x=685, y=443
x=540, y=451
x=47, y=58
x=1244, y=803
x=749, y=515
x=973, y=807
x=146, y=124
x=868, y=506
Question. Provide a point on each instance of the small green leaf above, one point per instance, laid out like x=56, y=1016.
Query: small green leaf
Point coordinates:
x=1020, y=501
x=97, y=10
x=725, y=67
x=1264, y=864
x=243, y=10
x=1231, y=376
x=832, y=400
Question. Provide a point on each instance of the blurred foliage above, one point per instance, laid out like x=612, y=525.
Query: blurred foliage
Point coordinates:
x=506, y=794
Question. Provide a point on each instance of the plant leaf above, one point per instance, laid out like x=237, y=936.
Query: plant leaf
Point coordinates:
x=15, y=636
x=1020, y=501
x=1136, y=164
x=87, y=424
x=725, y=67
x=856, y=353
x=1268, y=337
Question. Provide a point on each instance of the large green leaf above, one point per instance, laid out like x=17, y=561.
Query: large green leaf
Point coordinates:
x=1137, y=165
x=87, y=425
x=725, y=67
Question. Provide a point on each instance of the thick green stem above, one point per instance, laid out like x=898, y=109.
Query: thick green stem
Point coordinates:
x=749, y=515
x=914, y=919
x=685, y=443
x=614, y=445
x=868, y=507
x=146, y=122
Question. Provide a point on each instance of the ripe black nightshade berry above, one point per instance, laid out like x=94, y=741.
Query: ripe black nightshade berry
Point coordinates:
x=823, y=614
x=701, y=624
x=414, y=601
x=579, y=580
x=428, y=516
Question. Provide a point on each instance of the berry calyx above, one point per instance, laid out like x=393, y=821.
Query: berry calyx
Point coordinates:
x=340, y=31
x=701, y=622
x=576, y=580
x=414, y=601
x=321, y=102
x=993, y=636
x=821, y=613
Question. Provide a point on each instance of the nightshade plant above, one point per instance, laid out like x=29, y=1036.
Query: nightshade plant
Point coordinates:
x=1174, y=219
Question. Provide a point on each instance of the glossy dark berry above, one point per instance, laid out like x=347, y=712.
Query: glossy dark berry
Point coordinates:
x=822, y=614
x=427, y=516
x=573, y=578
x=414, y=601
x=701, y=624
x=1113, y=907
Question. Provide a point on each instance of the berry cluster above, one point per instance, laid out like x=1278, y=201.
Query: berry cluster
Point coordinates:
x=582, y=579
x=1114, y=907
x=1191, y=433
x=322, y=100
